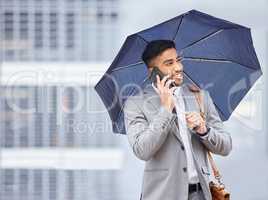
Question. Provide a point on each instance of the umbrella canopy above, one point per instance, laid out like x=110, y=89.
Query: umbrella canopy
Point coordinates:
x=217, y=56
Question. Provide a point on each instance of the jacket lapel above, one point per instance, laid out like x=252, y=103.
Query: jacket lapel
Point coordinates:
x=152, y=98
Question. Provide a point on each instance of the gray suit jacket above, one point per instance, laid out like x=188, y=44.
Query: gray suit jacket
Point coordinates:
x=155, y=138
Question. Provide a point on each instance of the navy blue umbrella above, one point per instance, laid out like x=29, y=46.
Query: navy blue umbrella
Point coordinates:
x=218, y=55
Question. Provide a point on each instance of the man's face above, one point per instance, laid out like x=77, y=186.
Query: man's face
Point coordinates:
x=169, y=63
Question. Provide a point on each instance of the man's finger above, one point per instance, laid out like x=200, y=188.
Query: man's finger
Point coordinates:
x=172, y=89
x=157, y=79
x=191, y=114
x=163, y=81
x=158, y=83
x=193, y=118
x=168, y=83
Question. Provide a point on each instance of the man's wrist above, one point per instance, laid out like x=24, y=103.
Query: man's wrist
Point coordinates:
x=205, y=130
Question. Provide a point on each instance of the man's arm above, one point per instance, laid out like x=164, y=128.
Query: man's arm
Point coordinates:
x=217, y=139
x=146, y=138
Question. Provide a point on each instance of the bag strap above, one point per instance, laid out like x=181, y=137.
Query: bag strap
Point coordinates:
x=200, y=101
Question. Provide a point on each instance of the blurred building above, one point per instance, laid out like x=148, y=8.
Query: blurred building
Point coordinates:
x=26, y=184
x=41, y=31
x=50, y=116
x=59, y=30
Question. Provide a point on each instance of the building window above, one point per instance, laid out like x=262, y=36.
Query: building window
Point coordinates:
x=8, y=25
x=70, y=30
x=53, y=30
x=9, y=55
x=38, y=30
x=23, y=25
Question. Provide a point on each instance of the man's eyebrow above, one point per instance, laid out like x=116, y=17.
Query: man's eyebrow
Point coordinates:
x=166, y=61
x=170, y=60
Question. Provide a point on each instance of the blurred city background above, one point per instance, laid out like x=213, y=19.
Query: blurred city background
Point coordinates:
x=53, y=52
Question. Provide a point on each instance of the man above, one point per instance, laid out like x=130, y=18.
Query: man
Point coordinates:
x=166, y=129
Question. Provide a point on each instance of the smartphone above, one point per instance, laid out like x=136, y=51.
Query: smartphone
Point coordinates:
x=157, y=71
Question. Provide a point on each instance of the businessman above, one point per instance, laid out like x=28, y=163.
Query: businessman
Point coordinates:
x=166, y=129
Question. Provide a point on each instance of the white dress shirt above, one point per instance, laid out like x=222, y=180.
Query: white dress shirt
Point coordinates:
x=180, y=109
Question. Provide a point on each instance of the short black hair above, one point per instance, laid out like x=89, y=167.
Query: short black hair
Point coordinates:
x=155, y=48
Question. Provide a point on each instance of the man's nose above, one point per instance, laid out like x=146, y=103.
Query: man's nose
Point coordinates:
x=176, y=67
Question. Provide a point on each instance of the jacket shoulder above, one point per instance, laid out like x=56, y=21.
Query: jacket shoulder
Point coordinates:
x=134, y=100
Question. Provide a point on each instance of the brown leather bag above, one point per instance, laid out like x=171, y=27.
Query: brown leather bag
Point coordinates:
x=217, y=189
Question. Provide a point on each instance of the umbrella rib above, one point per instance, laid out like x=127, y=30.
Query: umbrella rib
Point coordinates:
x=122, y=107
x=200, y=88
x=216, y=60
x=208, y=36
x=203, y=38
x=178, y=29
x=130, y=65
x=142, y=39
x=218, y=108
x=191, y=79
x=127, y=66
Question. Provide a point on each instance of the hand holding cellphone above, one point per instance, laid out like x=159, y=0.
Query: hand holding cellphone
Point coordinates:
x=156, y=71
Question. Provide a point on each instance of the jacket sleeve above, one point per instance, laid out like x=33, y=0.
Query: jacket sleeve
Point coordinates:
x=217, y=140
x=146, y=138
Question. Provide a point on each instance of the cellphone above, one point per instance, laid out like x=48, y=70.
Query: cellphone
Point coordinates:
x=157, y=71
